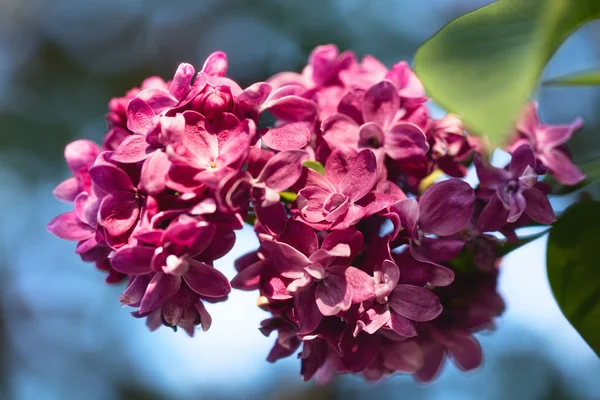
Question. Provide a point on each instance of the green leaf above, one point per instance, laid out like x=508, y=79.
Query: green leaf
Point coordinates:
x=572, y=263
x=288, y=197
x=585, y=78
x=484, y=65
x=590, y=169
x=315, y=165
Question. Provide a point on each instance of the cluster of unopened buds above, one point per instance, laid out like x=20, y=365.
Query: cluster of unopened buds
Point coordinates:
x=365, y=265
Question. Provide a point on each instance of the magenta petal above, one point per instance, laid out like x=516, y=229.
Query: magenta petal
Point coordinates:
x=489, y=176
x=140, y=116
x=283, y=169
x=86, y=208
x=555, y=135
x=249, y=278
x=420, y=273
x=301, y=237
x=132, y=296
x=434, y=358
x=215, y=64
x=562, y=167
x=157, y=99
x=338, y=164
x=67, y=190
x=132, y=150
x=404, y=141
x=290, y=136
x=351, y=237
x=205, y=318
x=308, y=313
x=340, y=129
x=522, y=158
x=81, y=154
x=67, y=226
x=401, y=325
x=322, y=61
x=118, y=213
x=160, y=290
x=373, y=319
x=206, y=280
x=405, y=356
x=181, y=84
x=408, y=210
x=538, y=207
x=388, y=274
x=493, y=216
x=381, y=103
x=436, y=249
x=361, y=176
x=286, y=259
x=415, y=303
x=154, y=171
x=517, y=204
x=362, y=284
x=133, y=260
x=333, y=295
x=466, y=352
x=351, y=105
x=310, y=201
x=446, y=207
x=529, y=121
x=292, y=108
x=273, y=217
x=110, y=178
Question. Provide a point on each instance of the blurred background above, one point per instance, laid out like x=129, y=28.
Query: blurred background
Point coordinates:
x=63, y=334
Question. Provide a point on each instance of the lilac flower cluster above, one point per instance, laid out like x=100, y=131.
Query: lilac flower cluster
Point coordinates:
x=359, y=269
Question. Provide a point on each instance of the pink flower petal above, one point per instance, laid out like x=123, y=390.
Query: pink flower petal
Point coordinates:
x=373, y=319
x=132, y=150
x=415, y=303
x=154, y=171
x=110, y=178
x=322, y=61
x=292, y=108
x=157, y=99
x=162, y=288
x=340, y=130
x=181, y=83
x=493, y=216
x=381, y=103
x=308, y=313
x=446, y=207
x=333, y=295
x=538, y=206
x=290, y=136
x=134, y=260
x=301, y=237
x=408, y=210
x=287, y=260
x=81, y=154
x=283, y=169
x=562, y=167
x=215, y=64
x=362, y=284
x=361, y=176
x=466, y=352
x=522, y=158
x=206, y=280
x=140, y=117
x=119, y=212
x=67, y=226
x=401, y=325
x=67, y=190
x=273, y=218
x=436, y=249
